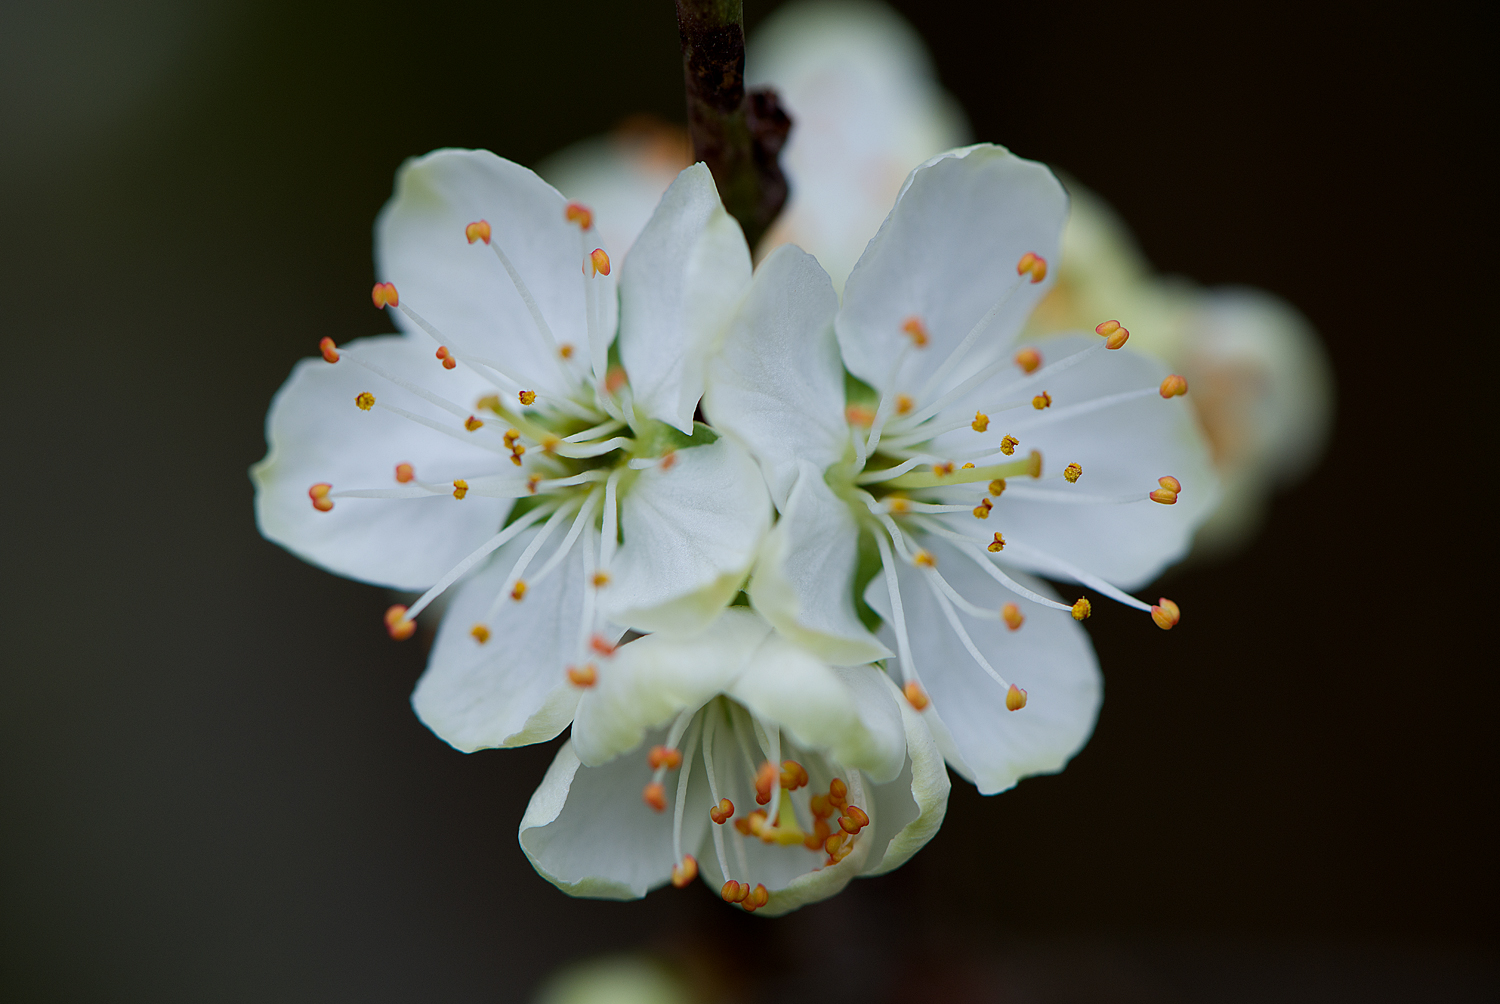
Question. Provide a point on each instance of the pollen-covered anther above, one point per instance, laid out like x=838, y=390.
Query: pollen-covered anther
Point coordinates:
x=924, y=559
x=664, y=756
x=1165, y=496
x=904, y=404
x=1165, y=614
x=480, y=632
x=330, y=353
x=600, y=580
x=655, y=795
x=722, y=812
x=527, y=397
x=578, y=213
x=1015, y=698
x=1029, y=360
x=793, y=775
x=602, y=645
x=982, y=510
x=1008, y=445
x=998, y=544
x=479, y=230
x=1034, y=265
x=364, y=400
x=735, y=892
x=684, y=871
x=319, y=495
x=447, y=357
x=460, y=488
x=397, y=624
x=1082, y=609
x=1012, y=616
x=943, y=469
x=583, y=676
x=997, y=486
x=853, y=820
x=384, y=295
x=916, y=331
x=1041, y=401
x=981, y=422
x=518, y=591
x=1173, y=386
x=473, y=424
x=599, y=261
x=764, y=778
x=405, y=473
x=1073, y=472
x=511, y=435
x=915, y=695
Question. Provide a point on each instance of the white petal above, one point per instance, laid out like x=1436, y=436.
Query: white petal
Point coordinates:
x=913, y=805
x=512, y=690
x=804, y=579
x=1049, y=657
x=678, y=290
x=588, y=832
x=777, y=383
x=649, y=681
x=690, y=532
x=947, y=254
x=316, y=434
x=867, y=109
x=462, y=289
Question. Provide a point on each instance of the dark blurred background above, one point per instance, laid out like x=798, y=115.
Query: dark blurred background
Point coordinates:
x=213, y=786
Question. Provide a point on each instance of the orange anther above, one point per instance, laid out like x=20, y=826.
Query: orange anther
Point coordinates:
x=326, y=347
x=655, y=796
x=917, y=331
x=583, y=676
x=1042, y=400
x=943, y=469
x=1082, y=609
x=924, y=558
x=550, y=442
x=997, y=486
x=743, y=823
x=1113, y=333
x=685, y=872
x=600, y=261
x=473, y=424
x=532, y=482
x=580, y=214
x=1173, y=386
x=1012, y=616
x=398, y=625
x=518, y=591
x=384, y=295
x=904, y=404
x=447, y=357
x=858, y=414
x=319, y=495
x=793, y=775
x=981, y=422
x=527, y=397
x=1106, y=328
x=1034, y=264
x=364, y=400
x=460, y=488
x=720, y=813
x=837, y=792
x=819, y=836
x=819, y=807
x=759, y=897
x=1170, y=483
x=1030, y=360
x=853, y=820
x=1163, y=495
x=1166, y=614
x=1008, y=445
x=479, y=230
x=511, y=435
x=480, y=632
x=601, y=645
x=615, y=379
x=565, y=350
x=998, y=544
x=405, y=473
x=664, y=756
x=600, y=580
x=764, y=778
x=1073, y=472
x=668, y=460
x=735, y=892
x=899, y=504
x=982, y=510
x=915, y=695
x=834, y=842
x=1015, y=698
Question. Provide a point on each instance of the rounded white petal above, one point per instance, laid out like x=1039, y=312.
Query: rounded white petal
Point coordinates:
x=316, y=434
x=691, y=529
x=804, y=578
x=588, y=832
x=913, y=805
x=678, y=290
x=1049, y=657
x=513, y=689
x=464, y=291
x=777, y=383
x=946, y=254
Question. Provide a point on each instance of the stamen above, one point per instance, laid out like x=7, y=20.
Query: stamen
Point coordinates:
x=460, y=488
x=326, y=347
x=527, y=397
x=584, y=676
x=915, y=695
x=1114, y=334
x=722, y=812
x=600, y=580
x=473, y=424
x=982, y=510
x=577, y=212
x=480, y=632
x=662, y=756
x=981, y=422
x=364, y=400
x=599, y=261
x=684, y=873
x=398, y=624
x=997, y=486
x=759, y=897
x=974, y=553
x=447, y=357
x=1164, y=496
x=735, y=892
x=1034, y=265
x=1042, y=400
x=998, y=544
x=479, y=554
x=1072, y=473
x=1166, y=614
x=904, y=404
x=1029, y=360
x=1170, y=483
x=924, y=559
x=405, y=473
x=1082, y=609
x=319, y=495
x=478, y=231
x=1173, y=386
x=916, y=331
x=518, y=591
x=1015, y=698
x=655, y=796
x=1008, y=445
x=384, y=295
x=1011, y=614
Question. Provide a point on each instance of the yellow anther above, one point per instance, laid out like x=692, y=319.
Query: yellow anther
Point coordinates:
x=580, y=214
x=527, y=397
x=1073, y=472
x=1012, y=616
x=518, y=591
x=397, y=624
x=967, y=467
x=1173, y=386
x=479, y=230
x=405, y=473
x=511, y=435
x=924, y=558
x=473, y=424
x=998, y=544
x=793, y=775
x=997, y=486
x=551, y=442
x=982, y=510
x=1082, y=609
x=600, y=580
x=858, y=414
x=565, y=350
x=460, y=488
x=1107, y=328
x=917, y=331
x=1163, y=495
x=685, y=871
x=1008, y=445
x=516, y=450
x=898, y=505
x=1033, y=264
x=915, y=695
x=943, y=469
x=904, y=404
x=1114, y=334
x=480, y=632
x=1030, y=360
x=365, y=400
x=1015, y=698
x=1170, y=483
x=384, y=295
x=981, y=422
x=1165, y=614
x=1042, y=400
x=319, y=495
x=583, y=676
x=599, y=261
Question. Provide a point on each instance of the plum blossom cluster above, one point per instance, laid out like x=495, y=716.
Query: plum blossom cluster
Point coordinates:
x=773, y=555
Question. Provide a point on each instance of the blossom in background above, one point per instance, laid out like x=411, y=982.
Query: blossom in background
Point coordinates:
x=492, y=444
x=959, y=464
x=736, y=755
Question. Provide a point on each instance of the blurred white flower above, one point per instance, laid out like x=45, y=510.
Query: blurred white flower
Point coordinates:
x=616, y=979
x=736, y=755
x=958, y=465
x=494, y=445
